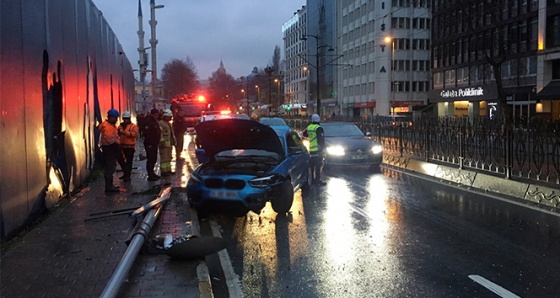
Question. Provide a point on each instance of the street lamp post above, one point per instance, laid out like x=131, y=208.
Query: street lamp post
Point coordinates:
x=318, y=88
x=269, y=70
x=277, y=94
x=317, y=67
x=392, y=84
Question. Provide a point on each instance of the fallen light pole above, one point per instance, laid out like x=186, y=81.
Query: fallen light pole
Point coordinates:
x=139, y=237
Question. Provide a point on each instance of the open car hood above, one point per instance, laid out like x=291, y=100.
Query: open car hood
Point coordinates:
x=228, y=134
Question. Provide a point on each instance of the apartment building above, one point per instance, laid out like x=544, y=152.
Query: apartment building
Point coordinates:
x=296, y=70
x=385, y=48
x=473, y=40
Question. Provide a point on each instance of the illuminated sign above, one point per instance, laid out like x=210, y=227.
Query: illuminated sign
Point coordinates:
x=466, y=92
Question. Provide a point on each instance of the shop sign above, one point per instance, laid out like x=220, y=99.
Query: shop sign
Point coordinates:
x=368, y=104
x=463, y=92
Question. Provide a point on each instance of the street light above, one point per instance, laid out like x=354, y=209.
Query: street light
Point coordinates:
x=317, y=49
x=278, y=94
x=391, y=40
x=258, y=92
x=153, y=43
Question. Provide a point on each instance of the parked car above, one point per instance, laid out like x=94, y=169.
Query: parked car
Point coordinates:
x=245, y=164
x=346, y=144
x=274, y=122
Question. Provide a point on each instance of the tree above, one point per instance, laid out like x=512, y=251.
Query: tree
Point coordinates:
x=490, y=27
x=276, y=59
x=179, y=77
x=223, y=88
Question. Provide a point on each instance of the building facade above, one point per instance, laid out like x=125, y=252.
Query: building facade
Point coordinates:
x=474, y=40
x=386, y=56
x=296, y=71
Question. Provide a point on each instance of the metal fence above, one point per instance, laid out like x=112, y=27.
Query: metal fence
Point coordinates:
x=526, y=152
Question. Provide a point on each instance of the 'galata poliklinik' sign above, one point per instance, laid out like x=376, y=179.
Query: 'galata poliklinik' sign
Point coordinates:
x=467, y=92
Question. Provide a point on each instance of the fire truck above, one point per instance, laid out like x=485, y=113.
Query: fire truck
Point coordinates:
x=192, y=107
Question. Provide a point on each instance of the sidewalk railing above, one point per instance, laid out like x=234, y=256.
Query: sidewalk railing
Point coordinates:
x=518, y=151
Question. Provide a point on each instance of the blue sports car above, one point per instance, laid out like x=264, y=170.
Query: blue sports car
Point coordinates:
x=245, y=164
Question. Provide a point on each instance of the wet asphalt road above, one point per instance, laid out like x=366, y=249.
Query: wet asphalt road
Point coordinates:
x=387, y=234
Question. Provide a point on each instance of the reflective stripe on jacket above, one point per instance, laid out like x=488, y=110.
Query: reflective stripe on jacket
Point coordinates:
x=108, y=133
x=128, y=135
x=312, y=135
x=167, y=136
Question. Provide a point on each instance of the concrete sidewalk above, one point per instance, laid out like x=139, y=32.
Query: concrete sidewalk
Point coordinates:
x=70, y=255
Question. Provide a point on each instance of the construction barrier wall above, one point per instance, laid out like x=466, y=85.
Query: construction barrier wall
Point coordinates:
x=61, y=69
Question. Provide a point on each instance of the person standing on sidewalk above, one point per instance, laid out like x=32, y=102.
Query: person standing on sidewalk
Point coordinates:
x=314, y=132
x=128, y=133
x=152, y=135
x=109, y=141
x=179, y=129
x=166, y=143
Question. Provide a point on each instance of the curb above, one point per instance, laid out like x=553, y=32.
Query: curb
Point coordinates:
x=543, y=197
x=202, y=272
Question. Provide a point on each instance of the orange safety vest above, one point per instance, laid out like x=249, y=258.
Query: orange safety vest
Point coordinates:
x=109, y=133
x=128, y=135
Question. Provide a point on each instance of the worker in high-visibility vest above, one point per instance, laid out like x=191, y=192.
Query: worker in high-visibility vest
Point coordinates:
x=110, y=146
x=166, y=143
x=152, y=136
x=128, y=133
x=316, y=136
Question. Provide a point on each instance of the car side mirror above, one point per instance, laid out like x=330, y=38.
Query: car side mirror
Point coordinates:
x=201, y=155
x=368, y=134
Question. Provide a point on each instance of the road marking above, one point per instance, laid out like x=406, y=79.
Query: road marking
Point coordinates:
x=498, y=290
x=232, y=280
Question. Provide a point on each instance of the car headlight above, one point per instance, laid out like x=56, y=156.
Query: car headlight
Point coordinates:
x=335, y=150
x=376, y=149
x=266, y=181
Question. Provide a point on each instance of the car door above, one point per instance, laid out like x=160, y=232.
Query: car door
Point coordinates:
x=300, y=156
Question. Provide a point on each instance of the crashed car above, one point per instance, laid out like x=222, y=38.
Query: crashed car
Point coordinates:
x=245, y=164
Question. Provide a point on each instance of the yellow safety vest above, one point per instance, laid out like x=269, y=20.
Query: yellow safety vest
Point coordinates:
x=312, y=135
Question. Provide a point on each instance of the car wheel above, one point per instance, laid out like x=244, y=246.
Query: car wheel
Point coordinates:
x=282, y=202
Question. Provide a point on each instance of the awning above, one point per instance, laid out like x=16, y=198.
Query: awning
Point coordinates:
x=550, y=91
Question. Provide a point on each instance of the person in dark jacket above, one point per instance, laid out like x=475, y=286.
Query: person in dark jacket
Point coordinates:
x=152, y=135
x=179, y=129
x=316, y=137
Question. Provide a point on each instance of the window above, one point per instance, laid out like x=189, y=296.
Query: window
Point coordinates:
x=450, y=78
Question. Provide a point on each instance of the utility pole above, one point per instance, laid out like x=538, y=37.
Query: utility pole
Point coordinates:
x=153, y=43
x=142, y=57
x=269, y=70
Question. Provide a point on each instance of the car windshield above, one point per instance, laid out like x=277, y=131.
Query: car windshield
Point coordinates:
x=273, y=121
x=342, y=130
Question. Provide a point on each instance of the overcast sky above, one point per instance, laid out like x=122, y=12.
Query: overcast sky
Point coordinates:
x=241, y=33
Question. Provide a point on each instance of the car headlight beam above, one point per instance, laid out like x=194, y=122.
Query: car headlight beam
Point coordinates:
x=336, y=150
x=376, y=149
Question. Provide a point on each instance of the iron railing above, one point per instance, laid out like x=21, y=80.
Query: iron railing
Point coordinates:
x=519, y=151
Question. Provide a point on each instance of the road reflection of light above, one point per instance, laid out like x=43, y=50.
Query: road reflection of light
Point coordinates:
x=339, y=234
x=378, y=208
x=297, y=230
x=257, y=238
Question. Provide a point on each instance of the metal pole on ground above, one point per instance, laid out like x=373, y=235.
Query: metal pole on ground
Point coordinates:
x=140, y=236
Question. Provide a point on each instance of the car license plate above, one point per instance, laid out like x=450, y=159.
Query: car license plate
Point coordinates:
x=360, y=156
x=223, y=194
